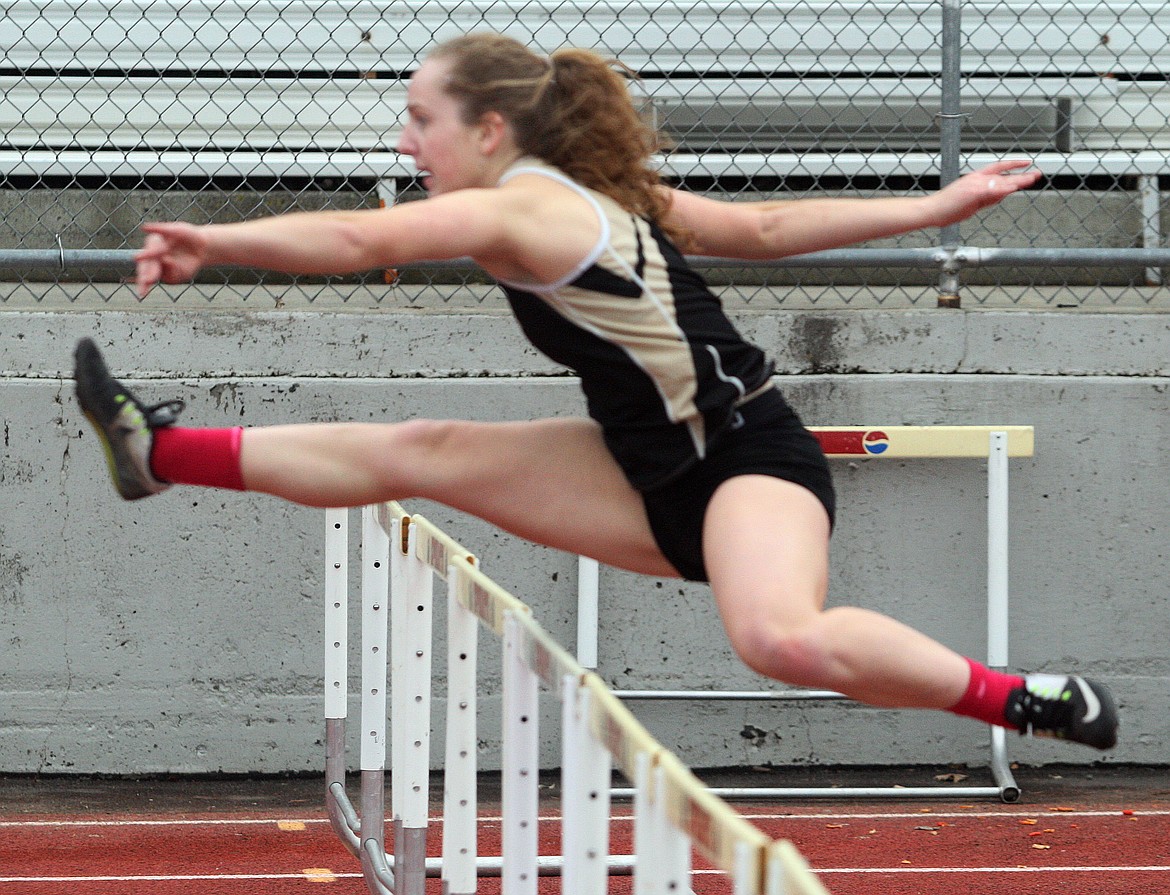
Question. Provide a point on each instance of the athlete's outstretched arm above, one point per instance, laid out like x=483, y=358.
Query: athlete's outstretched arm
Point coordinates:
x=778, y=229
x=324, y=242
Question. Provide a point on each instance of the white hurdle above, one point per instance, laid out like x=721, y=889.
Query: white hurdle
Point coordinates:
x=995, y=444
x=674, y=814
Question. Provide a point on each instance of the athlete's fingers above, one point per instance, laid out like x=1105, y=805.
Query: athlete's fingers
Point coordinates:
x=147, y=273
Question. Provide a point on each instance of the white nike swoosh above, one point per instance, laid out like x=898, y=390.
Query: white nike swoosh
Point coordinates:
x=1091, y=701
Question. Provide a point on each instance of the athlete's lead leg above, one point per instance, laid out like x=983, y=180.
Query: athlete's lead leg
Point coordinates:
x=550, y=481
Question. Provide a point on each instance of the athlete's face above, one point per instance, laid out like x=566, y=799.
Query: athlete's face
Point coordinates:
x=448, y=153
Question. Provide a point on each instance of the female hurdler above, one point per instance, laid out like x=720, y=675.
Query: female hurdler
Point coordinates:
x=690, y=464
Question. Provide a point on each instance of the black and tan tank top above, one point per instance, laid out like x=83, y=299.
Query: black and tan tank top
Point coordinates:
x=661, y=366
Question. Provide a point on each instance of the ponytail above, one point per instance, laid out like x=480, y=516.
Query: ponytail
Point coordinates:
x=572, y=110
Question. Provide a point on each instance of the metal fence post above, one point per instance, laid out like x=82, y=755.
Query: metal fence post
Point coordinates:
x=950, y=124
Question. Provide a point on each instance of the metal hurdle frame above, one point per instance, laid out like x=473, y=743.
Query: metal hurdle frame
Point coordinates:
x=996, y=444
x=674, y=813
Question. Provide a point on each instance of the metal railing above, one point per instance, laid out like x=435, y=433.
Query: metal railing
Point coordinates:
x=113, y=112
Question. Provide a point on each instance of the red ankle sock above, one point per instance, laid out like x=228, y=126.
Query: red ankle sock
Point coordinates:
x=208, y=457
x=987, y=694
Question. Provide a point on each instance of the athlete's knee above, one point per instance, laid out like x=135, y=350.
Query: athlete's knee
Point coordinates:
x=793, y=653
x=423, y=435
x=406, y=450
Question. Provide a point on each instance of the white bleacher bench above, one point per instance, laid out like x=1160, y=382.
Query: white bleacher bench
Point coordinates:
x=881, y=38
x=724, y=114
x=291, y=76
x=288, y=89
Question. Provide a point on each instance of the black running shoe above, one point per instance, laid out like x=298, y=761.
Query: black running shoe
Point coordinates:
x=1066, y=707
x=122, y=422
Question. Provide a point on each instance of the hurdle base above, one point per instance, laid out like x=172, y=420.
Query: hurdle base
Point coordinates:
x=342, y=816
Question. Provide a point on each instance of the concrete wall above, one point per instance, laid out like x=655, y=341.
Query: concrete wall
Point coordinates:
x=183, y=633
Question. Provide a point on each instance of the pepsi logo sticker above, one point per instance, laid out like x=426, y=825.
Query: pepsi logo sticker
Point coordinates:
x=875, y=442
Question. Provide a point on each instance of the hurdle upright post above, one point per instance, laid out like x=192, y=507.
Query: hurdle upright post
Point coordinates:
x=411, y=612
x=521, y=764
x=341, y=815
x=998, y=618
x=663, y=851
x=586, y=769
x=460, y=849
x=375, y=582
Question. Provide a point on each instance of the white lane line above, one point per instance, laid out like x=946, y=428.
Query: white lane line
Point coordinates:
x=230, y=877
x=174, y=822
x=161, y=878
x=242, y=821
x=1113, y=869
x=988, y=870
x=1045, y=812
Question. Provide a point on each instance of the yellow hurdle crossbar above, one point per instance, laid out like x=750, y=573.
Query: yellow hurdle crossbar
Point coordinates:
x=903, y=442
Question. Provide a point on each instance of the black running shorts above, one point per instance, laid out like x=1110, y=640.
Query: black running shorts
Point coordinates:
x=771, y=440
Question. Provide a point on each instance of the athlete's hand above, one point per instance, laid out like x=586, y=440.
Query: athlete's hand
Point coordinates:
x=172, y=253
x=983, y=188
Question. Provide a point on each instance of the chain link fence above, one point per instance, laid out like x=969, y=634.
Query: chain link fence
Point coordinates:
x=117, y=111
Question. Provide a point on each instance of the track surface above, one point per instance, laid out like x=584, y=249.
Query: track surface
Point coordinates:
x=1078, y=833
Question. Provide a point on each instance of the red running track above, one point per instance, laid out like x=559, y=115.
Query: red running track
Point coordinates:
x=1084, y=847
